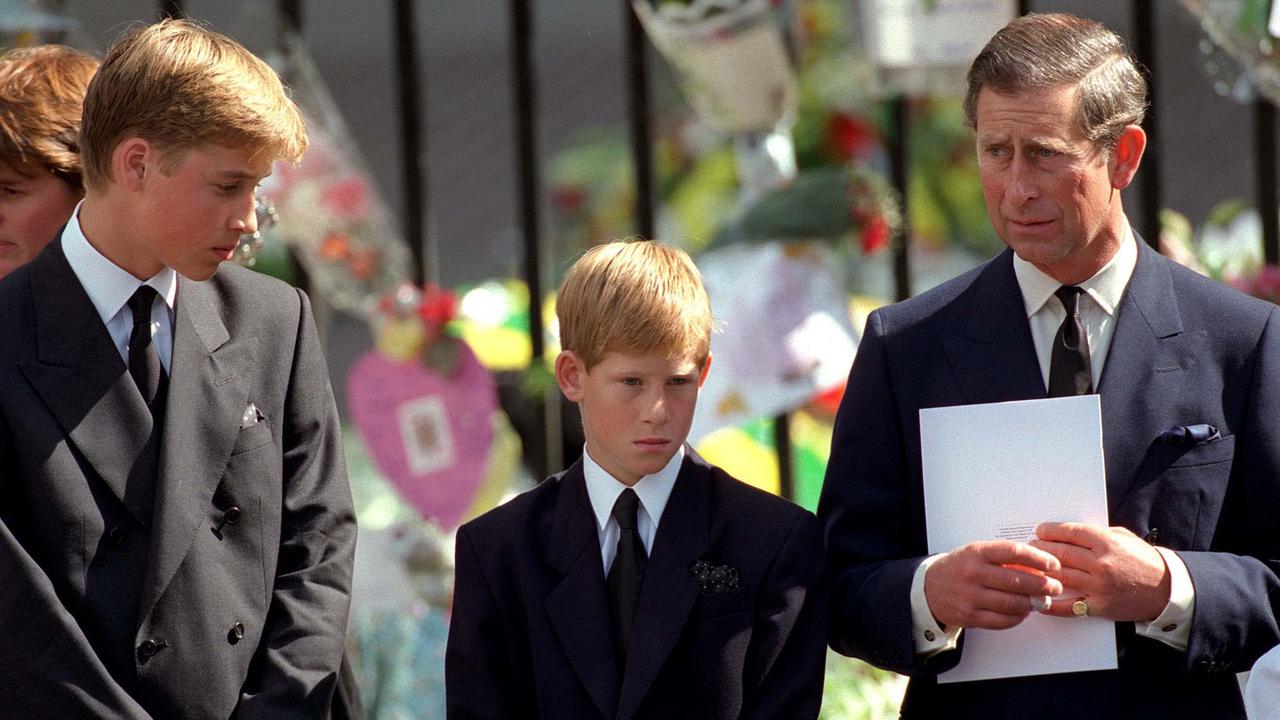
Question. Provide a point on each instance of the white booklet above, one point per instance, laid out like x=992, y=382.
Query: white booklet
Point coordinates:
x=996, y=471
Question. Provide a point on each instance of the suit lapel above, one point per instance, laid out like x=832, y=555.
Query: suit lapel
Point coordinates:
x=207, y=396
x=1147, y=364
x=669, y=591
x=991, y=351
x=578, y=606
x=80, y=376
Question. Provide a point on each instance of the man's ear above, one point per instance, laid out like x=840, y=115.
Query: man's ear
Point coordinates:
x=702, y=377
x=132, y=159
x=571, y=375
x=1127, y=155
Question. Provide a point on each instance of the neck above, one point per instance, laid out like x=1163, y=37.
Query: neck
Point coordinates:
x=100, y=221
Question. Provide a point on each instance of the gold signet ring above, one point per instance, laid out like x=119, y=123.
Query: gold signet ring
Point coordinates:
x=1079, y=608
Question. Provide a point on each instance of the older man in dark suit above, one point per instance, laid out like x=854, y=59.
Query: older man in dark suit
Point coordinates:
x=176, y=529
x=1189, y=376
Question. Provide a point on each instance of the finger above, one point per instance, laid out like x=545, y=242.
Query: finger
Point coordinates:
x=1004, y=603
x=1016, y=553
x=988, y=620
x=1071, y=556
x=1079, y=581
x=1009, y=580
x=1074, y=533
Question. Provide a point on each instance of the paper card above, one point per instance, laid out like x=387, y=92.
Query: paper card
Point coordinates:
x=996, y=471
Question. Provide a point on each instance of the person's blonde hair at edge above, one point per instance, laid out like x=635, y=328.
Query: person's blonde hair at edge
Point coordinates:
x=179, y=86
x=41, y=91
x=635, y=297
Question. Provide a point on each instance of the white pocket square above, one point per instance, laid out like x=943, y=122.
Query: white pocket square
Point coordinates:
x=252, y=416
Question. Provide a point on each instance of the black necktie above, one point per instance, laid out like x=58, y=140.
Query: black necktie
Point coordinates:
x=627, y=570
x=1069, y=369
x=144, y=362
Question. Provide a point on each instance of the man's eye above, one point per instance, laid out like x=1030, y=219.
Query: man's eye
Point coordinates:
x=1046, y=153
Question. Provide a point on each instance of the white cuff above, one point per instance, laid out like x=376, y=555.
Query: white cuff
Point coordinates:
x=930, y=639
x=1173, y=626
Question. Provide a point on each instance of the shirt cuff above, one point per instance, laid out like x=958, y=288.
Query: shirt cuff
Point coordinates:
x=930, y=639
x=1173, y=626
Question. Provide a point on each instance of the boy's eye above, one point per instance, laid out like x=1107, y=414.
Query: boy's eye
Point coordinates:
x=228, y=189
x=630, y=381
x=679, y=381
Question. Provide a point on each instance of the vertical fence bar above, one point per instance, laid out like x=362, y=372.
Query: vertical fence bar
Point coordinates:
x=638, y=105
x=290, y=16
x=1024, y=7
x=899, y=161
x=547, y=423
x=1144, y=50
x=171, y=9
x=406, y=37
x=1264, y=169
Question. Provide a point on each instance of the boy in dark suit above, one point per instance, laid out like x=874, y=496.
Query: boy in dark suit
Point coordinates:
x=642, y=582
x=176, y=528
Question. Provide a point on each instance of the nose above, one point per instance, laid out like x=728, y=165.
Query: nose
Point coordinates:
x=1022, y=182
x=245, y=219
x=657, y=410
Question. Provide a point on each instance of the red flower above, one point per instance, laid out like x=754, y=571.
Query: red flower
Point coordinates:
x=875, y=235
x=336, y=246
x=347, y=198
x=438, y=305
x=849, y=137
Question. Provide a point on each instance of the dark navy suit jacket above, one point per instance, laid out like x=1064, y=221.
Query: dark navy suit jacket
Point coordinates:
x=530, y=635
x=1186, y=350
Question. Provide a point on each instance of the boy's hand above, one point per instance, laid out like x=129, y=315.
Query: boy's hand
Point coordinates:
x=990, y=584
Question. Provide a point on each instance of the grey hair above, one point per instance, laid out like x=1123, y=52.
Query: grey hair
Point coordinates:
x=1039, y=51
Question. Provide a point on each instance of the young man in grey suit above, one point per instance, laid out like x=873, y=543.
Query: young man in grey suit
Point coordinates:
x=176, y=528
x=1189, y=376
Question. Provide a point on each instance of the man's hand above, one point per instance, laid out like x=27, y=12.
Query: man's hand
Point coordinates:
x=1117, y=573
x=989, y=584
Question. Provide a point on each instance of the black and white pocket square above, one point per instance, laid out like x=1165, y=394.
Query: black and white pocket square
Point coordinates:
x=252, y=416
x=714, y=578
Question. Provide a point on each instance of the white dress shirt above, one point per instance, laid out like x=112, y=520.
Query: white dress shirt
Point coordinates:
x=1099, y=305
x=603, y=491
x=109, y=288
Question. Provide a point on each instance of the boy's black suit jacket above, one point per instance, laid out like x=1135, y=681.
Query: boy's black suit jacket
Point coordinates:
x=531, y=638
x=112, y=610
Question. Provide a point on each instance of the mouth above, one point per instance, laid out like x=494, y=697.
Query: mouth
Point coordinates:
x=225, y=252
x=652, y=443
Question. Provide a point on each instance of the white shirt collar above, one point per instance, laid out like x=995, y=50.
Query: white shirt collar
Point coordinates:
x=1106, y=287
x=108, y=285
x=654, y=490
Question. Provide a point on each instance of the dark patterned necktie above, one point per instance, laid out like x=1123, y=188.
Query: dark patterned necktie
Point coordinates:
x=144, y=361
x=1069, y=369
x=627, y=570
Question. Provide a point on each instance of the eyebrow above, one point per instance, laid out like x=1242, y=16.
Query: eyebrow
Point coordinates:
x=241, y=175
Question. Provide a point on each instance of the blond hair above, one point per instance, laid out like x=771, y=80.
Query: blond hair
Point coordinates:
x=634, y=296
x=179, y=85
x=41, y=92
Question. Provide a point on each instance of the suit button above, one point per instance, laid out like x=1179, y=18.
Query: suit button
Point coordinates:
x=149, y=648
x=930, y=635
x=232, y=515
x=1153, y=536
x=235, y=634
x=116, y=535
x=1169, y=628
